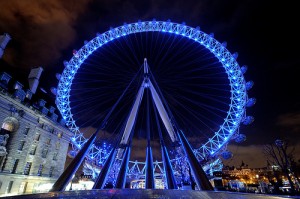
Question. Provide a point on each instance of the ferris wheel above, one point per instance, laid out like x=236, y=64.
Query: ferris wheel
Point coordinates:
x=189, y=80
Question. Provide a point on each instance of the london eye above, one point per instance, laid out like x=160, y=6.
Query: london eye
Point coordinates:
x=153, y=90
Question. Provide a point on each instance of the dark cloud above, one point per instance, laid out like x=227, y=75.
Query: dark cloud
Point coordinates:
x=253, y=155
x=41, y=30
x=289, y=126
x=290, y=120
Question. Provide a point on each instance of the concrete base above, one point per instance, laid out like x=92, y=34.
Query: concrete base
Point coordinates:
x=146, y=193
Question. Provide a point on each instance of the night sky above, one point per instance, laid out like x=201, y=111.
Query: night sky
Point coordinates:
x=264, y=33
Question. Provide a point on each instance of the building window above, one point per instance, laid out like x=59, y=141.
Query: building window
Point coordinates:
x=16, y=162
x=57, y=145
x=22, y=187
x=55, y=156
x=32, y=150
x=27, y=168
x=37, y=137
x=51, y=171
x=40, y=170
x=26, y=131
x=59, y=135
x=21, y=145
x=8, y=188
x=44, y=152
x=48, y=141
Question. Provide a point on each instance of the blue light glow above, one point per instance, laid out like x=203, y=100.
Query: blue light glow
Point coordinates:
x=234, y=72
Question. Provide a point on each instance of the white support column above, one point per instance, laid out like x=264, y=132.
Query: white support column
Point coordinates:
x=133, y=114
x=162, y=112
x=158, y=103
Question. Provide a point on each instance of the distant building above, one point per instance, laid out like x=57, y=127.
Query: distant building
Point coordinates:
x=247, y=179
x=33, y=143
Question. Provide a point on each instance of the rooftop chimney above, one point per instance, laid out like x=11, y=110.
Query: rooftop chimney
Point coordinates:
x=34, y=77
x=4, y=39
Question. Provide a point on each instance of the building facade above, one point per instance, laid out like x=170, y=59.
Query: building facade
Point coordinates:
x=33, y=144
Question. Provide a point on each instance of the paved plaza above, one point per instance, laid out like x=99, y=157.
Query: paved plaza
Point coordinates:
x=146, y=193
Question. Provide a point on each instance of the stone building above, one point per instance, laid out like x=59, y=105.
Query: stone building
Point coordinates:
x=33, y=143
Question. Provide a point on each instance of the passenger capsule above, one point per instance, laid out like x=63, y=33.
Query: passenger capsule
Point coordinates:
x=244, y=69
x=248, y=120
x=250, y=102
x=53, y=90
x=279, y=143
x=75, y=53
x=235, y=55
x=72, y=154
x=66, y=63
x=227, y=155
x=224, y=44
x=240, y=138
x=249, y=85
x=58, y=76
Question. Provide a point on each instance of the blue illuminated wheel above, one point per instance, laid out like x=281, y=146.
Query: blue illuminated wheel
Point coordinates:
x=235, y=99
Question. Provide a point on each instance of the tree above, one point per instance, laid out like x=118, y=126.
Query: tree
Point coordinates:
x=280, y=153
